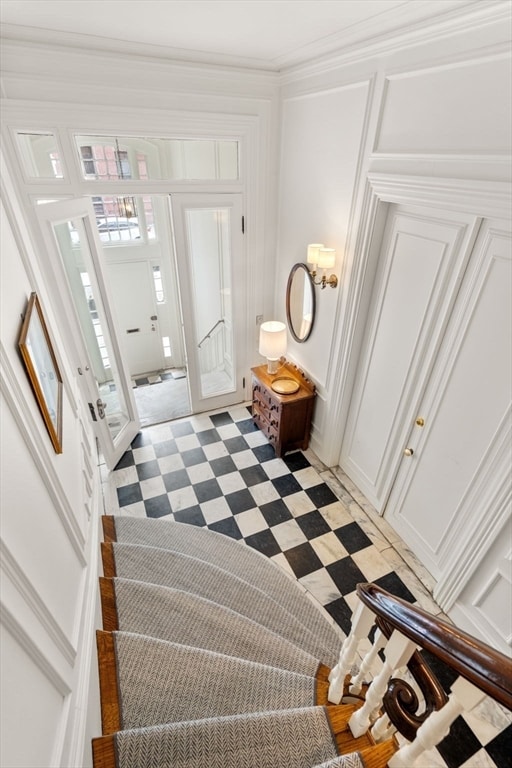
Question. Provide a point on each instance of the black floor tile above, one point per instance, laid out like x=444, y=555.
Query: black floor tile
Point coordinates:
x=275, y=512
x=235, y=444
x=246, y=426
x=460, y=744
x=295, y=461
x=346, y=575
x=140, y=439
x=224, y=465
x=193, y=457
x=208, y=436
x=313, y=524
x=129, y=494
x=264, y=453
x=500, y=748
x=264, y=542
x=341, y=613
x=353, y=537
x=192, y=516
x=207, y=490
x=240, y=501
x=394, y=584
x=148, y=469
x=126, y=460
x=221, y=419
x=321, y=495
x=158, y=506
x=286, y=485
x=303, y=559
x=175, y=480
x=254, y=475
x=227, y=526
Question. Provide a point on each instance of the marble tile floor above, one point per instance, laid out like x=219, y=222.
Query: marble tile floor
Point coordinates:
x=217, y=470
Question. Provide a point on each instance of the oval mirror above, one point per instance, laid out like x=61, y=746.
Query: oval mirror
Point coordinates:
x=300, y=302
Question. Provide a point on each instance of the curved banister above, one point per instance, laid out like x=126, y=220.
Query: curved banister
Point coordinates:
x=479, y=663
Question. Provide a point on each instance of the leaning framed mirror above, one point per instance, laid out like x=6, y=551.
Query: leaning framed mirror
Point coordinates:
x=300, y=302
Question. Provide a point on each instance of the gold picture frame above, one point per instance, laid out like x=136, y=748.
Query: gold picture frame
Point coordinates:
x=42, y=368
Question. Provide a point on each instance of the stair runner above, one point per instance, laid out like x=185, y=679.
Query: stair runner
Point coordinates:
x=212, y=656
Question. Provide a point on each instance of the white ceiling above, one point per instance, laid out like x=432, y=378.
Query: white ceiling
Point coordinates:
x=268, y=34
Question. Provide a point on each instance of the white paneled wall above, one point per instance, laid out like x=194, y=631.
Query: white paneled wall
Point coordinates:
x=48, y=542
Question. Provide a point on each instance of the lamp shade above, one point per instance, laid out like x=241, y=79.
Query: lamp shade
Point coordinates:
x=313, y=250
x=272, y=339
x=326, y=258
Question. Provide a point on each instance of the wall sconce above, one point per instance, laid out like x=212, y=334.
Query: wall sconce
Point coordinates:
x=272, y=343
x=323, y=258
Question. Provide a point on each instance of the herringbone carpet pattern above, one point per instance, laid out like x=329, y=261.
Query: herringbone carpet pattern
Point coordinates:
x=216, y=655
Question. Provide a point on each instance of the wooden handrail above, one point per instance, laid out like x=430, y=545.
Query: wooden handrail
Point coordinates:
x=479, y=663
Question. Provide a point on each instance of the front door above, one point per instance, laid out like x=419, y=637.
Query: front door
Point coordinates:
x=133, y=290
x=211, y=266
x=82, y=296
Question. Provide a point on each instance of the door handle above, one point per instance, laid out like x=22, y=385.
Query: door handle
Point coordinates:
x=100, y=405
x=408, y=452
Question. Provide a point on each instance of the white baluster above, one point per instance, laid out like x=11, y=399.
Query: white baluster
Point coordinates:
x=398, y=652
x=383, y=729
x=379, y=641
x=362, y=621
x=464, y=696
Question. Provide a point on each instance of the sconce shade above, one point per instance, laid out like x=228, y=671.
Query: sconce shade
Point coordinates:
x=326, y=258
x=313, y=250
x=272, y=339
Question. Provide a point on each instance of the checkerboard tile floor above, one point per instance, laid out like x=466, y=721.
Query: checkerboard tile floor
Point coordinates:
x=218, y=471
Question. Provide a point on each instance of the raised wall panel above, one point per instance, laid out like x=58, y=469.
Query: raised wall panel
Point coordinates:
x=31, y=707
x=460, y=109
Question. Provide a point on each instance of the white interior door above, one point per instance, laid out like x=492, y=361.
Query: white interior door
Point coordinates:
x=451, y=496
x=421, y=259
x=211, y=266
x=82, y=296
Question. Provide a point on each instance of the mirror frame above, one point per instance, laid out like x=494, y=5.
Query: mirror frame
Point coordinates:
x=302, y=267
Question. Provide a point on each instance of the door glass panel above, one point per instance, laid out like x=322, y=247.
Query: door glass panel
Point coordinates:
x=111, y=158
x=208, y=235
x=74, y=249
x=40, y=156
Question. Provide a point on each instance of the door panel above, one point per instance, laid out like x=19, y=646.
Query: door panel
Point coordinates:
x=443, y=492
x=83, y=300
x=211, y=267
x=133, y=291
x=421, y=259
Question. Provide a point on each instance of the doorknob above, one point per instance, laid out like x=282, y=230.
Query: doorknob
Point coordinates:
x=408, y=452
x=100, y=405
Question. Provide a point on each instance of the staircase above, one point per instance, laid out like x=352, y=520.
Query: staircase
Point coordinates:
x=211, y=656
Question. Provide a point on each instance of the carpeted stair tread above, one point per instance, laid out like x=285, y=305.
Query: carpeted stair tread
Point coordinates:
x=180, y=617
x=173, y=569
x=161, y=682
x=297, y=738
x=235, y=557
x=344, y=761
